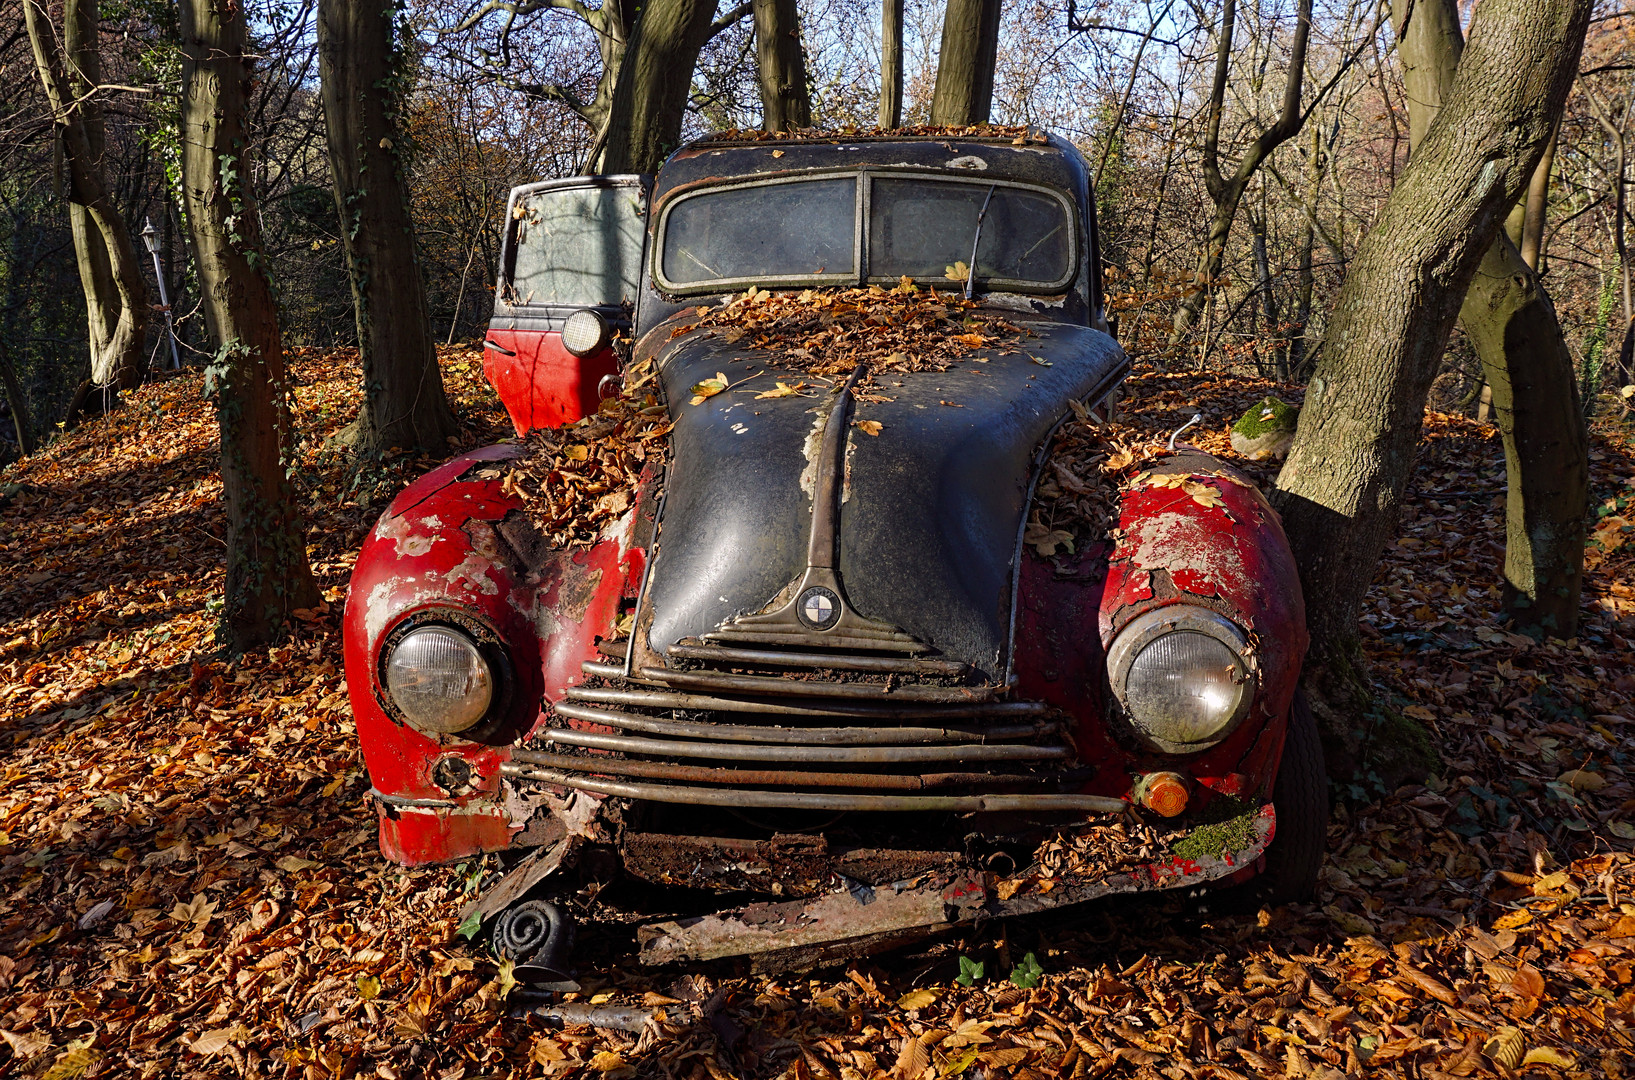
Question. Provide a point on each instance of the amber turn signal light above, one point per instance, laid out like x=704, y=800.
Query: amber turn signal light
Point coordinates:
x=1163, y=793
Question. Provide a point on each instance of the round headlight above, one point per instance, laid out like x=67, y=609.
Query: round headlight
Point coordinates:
x=1183, y=676
x=439, y=679
x=584, y=333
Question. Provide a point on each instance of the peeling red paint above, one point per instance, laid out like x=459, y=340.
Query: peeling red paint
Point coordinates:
x=545, y=385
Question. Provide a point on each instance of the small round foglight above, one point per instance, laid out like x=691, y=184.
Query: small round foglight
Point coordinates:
x=585, y=332
x=439, y=680
x=1183, y=676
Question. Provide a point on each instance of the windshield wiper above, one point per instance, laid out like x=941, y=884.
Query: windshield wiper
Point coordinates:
x=970, y=267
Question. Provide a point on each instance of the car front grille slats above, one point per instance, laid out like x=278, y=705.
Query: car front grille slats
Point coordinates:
x=805, y=728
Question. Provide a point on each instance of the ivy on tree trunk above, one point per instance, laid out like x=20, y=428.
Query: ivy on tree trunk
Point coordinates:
x=267, y=572
x=365, y=82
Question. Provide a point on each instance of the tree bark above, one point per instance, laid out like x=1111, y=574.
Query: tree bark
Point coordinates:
x=1532, y=386
x=1353, y=453
x=891, y=64
x=116, y=296
x=965, y=64
x=1227, y=192
x=650, y=94
x=365, y=81
x=786, y=104
x=1538, y=199
x=21, y=422
x=267, y=572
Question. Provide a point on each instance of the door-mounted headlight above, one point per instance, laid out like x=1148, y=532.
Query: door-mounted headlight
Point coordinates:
x=586, y=332
x=439, y=679
x=1184, y=676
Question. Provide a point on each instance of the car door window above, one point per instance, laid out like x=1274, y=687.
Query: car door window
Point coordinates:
x=577, y=246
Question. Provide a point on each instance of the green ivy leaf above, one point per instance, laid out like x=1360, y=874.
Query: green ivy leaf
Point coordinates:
x=1026, y=974
x=472, y=925
x=970, y=971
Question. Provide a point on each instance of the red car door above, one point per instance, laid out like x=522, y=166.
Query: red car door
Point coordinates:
x=569, y=271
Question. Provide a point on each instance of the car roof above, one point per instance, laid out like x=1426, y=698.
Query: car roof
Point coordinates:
x=1026, y=155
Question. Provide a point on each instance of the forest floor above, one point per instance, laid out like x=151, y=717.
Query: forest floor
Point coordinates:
x=189, y=882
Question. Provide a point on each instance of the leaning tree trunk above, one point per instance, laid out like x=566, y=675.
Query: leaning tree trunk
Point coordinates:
x=650, y=94
x=116, y=297
x=891, y=64
x=1353, y=453
x=365, y=80
x=785, y=103
x=1512, y=324
x=267, y=572
x=965, y=64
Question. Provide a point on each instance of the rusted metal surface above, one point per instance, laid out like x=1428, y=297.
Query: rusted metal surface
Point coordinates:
x=661, y=699
x=850, y=755
x=722, y=654
x=538, y=866
x=857, y=691
x=811, y=800
x=794, y=866
x=774, y=935
x=806, y=736
x=604, y=765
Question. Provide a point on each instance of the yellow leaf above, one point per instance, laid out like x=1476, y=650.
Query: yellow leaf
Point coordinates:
x=777, y=153
x=507, y=980
x=292, y=864
x=958, y=272
x=1518, y=918
x=1545, y=1055
x=1584, y=780
x=368, y=987
x=917, y=999
x=708, y=388
x=211, y=1042
x=869, y=427
x=781, y=390
x=606, y=1062
x=1505, y=1046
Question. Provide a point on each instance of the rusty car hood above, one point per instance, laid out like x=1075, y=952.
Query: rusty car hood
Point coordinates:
x=929, y=511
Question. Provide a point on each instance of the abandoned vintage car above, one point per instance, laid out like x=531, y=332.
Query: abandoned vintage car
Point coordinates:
x=810, y=668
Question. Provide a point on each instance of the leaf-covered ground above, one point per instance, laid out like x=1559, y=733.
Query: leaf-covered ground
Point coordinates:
x=189, y=883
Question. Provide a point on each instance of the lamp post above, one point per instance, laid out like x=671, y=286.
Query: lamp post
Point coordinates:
x=150, y=239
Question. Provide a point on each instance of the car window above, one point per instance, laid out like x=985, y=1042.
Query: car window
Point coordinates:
x=577, y=246
x=779, y=231
x=922, y=227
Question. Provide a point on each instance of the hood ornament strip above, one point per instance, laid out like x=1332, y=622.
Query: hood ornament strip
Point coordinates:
x=813, y=608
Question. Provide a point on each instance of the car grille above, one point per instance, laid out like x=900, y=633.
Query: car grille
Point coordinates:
x=792, y=728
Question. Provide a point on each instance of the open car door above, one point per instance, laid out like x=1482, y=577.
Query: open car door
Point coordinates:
x=570, y=267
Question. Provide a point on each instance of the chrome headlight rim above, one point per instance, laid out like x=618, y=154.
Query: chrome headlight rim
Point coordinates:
x=1131, y=641
x=490, y=646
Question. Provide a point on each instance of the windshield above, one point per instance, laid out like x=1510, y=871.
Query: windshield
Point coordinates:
x=577, y=247
x=798, y=230
x=807, y=232
x=922, y=227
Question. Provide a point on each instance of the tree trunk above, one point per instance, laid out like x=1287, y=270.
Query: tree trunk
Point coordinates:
x=1353, y=453
x=116, y=297
x=365, y=79
x=21, y=422
x=1226, y=192
x=1532, y=385
x=1538, y=200
x=267, y=571
x=785, y=103
x=650, y=95
x=965, y=65
x=891, y=64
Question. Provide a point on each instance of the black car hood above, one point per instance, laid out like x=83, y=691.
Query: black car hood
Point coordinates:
x=932, y=506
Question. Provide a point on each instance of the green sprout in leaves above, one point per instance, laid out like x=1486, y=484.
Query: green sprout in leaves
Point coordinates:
x=1026, y=974
x=970, y=971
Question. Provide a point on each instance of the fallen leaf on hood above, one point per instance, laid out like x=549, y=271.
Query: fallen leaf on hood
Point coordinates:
x=705, y=389
x=868, y=427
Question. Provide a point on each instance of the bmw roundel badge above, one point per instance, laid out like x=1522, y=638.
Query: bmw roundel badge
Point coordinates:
x=819, y=608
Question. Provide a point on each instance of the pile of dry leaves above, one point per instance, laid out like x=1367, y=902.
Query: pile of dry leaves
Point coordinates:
x=1091, y=462
x=829, y=332
x=577, y=479
x=189, y=884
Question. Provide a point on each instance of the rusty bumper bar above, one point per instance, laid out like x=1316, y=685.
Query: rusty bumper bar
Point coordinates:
x=810, y=800
x=859, y=919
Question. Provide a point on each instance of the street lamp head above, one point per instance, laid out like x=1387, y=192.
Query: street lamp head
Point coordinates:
x=150, y=236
